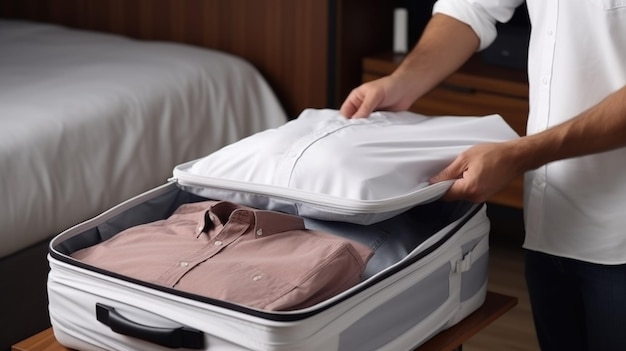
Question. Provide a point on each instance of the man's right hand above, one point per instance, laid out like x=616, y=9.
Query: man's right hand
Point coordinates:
x=385, y=93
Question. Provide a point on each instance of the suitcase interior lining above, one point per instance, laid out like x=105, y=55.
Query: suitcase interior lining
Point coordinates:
x=391, y=239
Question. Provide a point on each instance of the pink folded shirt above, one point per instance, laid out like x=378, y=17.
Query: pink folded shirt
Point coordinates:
x=262, y=259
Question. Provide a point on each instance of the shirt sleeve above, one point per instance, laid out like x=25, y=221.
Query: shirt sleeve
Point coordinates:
x=481, y=15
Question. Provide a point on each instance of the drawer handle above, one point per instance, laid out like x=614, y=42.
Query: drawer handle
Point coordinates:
x=173, y=338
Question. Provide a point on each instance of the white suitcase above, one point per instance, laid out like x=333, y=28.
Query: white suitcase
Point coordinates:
x=428, y=271
x=420, y=281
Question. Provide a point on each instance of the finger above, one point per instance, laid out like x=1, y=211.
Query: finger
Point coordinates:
x=367, y=107
x=349, y=108
x=455, y=191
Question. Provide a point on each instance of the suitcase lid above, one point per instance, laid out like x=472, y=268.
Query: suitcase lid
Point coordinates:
x=324, y=166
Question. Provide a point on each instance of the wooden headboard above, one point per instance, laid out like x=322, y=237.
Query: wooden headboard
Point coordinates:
x=309, y=50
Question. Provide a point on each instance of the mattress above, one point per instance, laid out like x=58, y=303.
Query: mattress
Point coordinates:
x=88, y=120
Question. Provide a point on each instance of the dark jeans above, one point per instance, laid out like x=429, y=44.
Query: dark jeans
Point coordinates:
x=577, y=305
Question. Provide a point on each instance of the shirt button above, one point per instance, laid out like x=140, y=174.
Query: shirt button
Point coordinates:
x=184, y=263
x=545, y=80
x=259, y=231
x=550, y=32
x=539, y=181
x=257, y=277
x=218, y=243
x=292, y=154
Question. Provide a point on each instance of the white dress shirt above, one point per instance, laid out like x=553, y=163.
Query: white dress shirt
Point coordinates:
x=333, y=168
x=573, y=208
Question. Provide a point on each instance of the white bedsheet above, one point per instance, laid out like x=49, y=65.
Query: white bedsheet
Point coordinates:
x=88, y=120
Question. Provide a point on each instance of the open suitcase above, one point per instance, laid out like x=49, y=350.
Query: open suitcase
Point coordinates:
x=397, y=307
x=428, y=272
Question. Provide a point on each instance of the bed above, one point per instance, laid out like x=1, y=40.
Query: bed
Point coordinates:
x=88, y=120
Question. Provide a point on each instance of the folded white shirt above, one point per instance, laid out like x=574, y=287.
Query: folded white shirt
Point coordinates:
x=321, y=157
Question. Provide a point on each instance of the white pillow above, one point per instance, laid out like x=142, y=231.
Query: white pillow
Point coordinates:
x=322, y=165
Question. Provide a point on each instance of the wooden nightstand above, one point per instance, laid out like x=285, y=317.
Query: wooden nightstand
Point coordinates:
x=477, y=89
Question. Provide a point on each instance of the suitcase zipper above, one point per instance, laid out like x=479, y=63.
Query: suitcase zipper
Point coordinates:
x=323, y=201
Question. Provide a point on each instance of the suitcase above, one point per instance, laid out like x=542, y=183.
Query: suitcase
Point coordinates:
x=428, y=270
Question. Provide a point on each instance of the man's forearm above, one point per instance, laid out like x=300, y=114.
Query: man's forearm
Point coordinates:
x=601, y=128
x=444, y=46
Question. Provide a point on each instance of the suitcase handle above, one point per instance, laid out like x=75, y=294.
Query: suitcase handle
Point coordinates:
x=182, y=337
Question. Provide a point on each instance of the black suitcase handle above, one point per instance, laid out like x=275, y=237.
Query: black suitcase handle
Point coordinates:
x=182, y=337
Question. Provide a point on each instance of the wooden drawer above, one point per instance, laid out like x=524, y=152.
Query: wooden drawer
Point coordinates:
x=476, y=90
x=463, y=101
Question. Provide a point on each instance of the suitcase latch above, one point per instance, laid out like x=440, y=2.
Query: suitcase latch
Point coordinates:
x=464, y=264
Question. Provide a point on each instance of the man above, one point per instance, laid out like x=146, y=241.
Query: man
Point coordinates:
x=574, y=157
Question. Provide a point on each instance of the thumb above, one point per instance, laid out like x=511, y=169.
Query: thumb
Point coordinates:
x=453, y=171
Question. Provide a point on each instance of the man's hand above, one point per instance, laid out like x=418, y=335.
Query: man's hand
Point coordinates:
x=480, y=172
x=387, y=93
